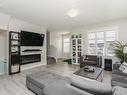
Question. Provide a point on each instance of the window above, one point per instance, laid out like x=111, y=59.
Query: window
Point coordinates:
x=66, y=45
x=100, y=42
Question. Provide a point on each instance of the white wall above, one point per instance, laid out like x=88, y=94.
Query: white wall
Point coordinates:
x=18, y=25
x=4, y=21
x=8, y=23
x=3, y=45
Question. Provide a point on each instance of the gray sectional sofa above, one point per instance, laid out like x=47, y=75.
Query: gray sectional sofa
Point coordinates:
x=48, y=83
x=118, y=77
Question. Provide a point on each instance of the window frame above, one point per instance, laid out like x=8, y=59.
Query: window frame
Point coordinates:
x=113, y=28
x=69, y=42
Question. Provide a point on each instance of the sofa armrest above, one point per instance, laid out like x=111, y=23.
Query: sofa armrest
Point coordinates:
x=119, y=90
x=93, y=87
x=71, y=90
x=116, y=66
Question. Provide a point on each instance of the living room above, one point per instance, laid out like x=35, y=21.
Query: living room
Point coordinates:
x=63, y=47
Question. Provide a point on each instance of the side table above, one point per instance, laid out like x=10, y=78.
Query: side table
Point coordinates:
x=108, y=64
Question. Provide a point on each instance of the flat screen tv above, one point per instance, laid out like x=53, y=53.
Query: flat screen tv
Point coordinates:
x=31, y=39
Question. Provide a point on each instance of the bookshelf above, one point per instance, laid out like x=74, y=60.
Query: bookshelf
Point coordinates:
x=76, y=45
x=14, y=52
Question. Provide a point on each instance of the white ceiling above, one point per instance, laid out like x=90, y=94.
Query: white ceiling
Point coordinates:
x=52, y=13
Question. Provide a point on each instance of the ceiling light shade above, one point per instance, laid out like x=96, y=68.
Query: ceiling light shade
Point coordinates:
x=72, y=13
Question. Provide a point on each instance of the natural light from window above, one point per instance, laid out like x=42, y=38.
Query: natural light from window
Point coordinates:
x=66, y=45
x=100, y=42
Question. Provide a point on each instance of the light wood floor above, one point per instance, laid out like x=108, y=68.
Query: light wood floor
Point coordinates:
x=15, y=84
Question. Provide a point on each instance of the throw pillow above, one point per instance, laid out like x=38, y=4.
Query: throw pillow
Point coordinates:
x=123, y=67
x=119, y=90
x=125, y=64
x=125, y=71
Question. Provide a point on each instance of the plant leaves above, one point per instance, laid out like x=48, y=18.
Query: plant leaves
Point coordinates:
x=118, y=48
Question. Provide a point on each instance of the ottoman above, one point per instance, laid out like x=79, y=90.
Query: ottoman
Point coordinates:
x=39, y=80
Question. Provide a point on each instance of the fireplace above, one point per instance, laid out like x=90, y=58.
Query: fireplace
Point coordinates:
x=27, y=59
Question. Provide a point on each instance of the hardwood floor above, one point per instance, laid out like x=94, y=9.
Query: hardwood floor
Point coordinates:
x=15, y=84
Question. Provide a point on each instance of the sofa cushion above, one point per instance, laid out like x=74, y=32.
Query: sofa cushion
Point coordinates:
x=119, y=90
x=57, y=87
x=90, y=62
x=42, y=78
x=123, y=67
x=71, y=90
x=118, y=72
x=94, y=87
x=91, y=57
x=119, y=80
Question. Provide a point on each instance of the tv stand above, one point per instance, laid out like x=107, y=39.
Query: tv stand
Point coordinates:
x=31, y=50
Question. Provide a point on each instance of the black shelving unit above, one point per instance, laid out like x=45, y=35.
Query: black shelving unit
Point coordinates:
x=14, y=52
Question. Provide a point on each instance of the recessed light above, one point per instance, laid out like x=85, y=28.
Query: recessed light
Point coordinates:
x=72, y=13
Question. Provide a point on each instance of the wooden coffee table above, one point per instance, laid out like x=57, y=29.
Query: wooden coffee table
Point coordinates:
x=93, y=76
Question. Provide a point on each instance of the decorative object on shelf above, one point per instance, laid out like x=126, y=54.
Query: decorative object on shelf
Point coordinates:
x=74, y=48
x=14, y=36
x=14, y=49
x=76, y=44
x=118, y=48
x=80, y=36
x=14, y=52
x=14, y=42
x=72, y=36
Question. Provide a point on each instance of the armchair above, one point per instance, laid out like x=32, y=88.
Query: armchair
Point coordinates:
x=90, y=60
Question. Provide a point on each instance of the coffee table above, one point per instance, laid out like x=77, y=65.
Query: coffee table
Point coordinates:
x=93, y=76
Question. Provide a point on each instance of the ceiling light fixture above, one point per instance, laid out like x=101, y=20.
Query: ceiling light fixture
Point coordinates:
x=72, y=13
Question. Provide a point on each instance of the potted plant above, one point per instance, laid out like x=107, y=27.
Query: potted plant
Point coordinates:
x=118, y=48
